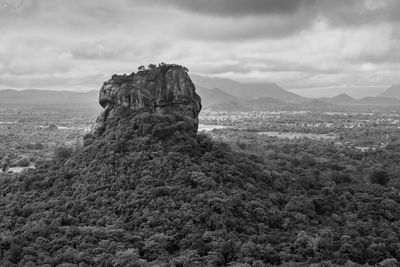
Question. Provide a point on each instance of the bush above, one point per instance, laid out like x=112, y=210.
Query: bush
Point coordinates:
x=379, y=177
x=5, y=167
x=24, y=162
x=63, y=153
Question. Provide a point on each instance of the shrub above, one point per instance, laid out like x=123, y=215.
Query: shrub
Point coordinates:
x=24, y=162
x=379, y=177
x=63, y=153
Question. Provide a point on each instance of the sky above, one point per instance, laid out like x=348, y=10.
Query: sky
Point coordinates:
x=314, y=48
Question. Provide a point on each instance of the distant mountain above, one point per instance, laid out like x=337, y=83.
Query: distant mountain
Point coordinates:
x=216, y=99
x=44, y=97
x=247, y=90
x=346, y=100
x=342, y=99
x=265, y=103
x=318, y=103
x=230, y=106
x=393, y=91
x=379, y=101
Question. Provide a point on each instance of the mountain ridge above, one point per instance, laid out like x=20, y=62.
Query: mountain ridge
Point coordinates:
x=346, y=100
x=214, y=98
x=39, y=96
x=342, y=99
x=393, y=91
x=248, y=91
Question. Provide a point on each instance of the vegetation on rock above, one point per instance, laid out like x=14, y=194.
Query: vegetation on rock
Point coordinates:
x=148, y=192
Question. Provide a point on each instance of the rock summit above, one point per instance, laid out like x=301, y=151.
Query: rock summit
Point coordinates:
x=164, y=89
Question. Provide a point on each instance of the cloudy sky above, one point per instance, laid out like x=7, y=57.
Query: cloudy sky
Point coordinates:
x=311, y=47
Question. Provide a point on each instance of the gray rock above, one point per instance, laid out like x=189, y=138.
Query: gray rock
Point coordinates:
x=166, y=89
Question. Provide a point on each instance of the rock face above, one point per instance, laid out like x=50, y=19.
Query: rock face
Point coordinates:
x=166, y=89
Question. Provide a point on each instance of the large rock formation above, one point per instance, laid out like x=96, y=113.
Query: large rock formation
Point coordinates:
x=166, y=89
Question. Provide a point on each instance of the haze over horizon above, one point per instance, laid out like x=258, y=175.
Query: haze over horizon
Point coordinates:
x=312, y=48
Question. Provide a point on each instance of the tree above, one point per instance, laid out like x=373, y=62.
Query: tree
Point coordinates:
x=5, y=167
x=63, y=153
x=24, y=162
x=6, y=164
x=151, y=66
x=379, y=177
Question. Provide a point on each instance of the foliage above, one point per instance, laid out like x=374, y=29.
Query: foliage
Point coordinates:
x=32, y=133
x=380, y=177
x=63, y=153
x=149, y=191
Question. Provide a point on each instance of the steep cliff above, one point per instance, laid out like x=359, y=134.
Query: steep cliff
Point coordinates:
x=166, y=89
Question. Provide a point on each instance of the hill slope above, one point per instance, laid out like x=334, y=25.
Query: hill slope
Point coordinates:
x=247, y=90
x=216, y=99
x=379, y=101
x=342, y=99
x=393, y=91
x=346, y=100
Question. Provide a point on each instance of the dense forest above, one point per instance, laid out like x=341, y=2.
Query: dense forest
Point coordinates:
x=151, y=192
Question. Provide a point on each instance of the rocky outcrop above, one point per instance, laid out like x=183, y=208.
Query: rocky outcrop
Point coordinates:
x=166, y=89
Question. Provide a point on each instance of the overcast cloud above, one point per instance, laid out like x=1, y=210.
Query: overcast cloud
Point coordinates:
x=312, y=47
